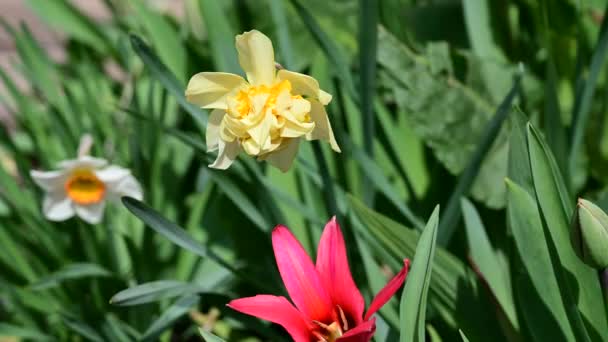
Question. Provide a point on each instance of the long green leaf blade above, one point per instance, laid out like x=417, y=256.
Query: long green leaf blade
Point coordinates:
x=414, y=297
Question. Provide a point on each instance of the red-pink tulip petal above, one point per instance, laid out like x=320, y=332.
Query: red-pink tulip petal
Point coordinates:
x=332, y=265
x=361, y=333
x=388, y=291
x=300, y=276
x=277, y=310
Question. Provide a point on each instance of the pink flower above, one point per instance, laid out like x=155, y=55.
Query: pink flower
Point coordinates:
x=328, y=304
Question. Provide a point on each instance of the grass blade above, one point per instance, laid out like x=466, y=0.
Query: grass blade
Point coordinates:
x=368, y=43
x=175, y=311
x=153, y=292
x=414, y=297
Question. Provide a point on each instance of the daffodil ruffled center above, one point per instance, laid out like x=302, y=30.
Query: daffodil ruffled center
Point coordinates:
x=83, y=187
x=244, y=97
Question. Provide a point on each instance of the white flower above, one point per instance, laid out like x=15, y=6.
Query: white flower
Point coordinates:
x=82, y=186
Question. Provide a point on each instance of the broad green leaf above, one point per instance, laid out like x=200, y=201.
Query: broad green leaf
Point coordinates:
x=494, y=272
x=412, y=310
x=153, y=292
x=490, y=133
x=478, y=20
x=70, y=272
x=450, y=117
x=209, y=337
x=556, y=207
x=175, y=311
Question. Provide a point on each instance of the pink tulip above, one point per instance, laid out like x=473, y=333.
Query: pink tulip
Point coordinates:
x=328, y=304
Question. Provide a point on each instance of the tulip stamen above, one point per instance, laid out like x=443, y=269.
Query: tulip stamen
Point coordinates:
x=330, y=332
x=343, y=318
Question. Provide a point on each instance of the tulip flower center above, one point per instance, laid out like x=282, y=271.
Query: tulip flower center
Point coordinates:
x=83, y=187
x=333, y=331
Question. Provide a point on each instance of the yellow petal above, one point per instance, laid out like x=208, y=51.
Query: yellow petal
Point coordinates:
x=296, y=129
x=283, y=158
x=256, y=57
x=226, y=155
x=213, y=128
x=261, y=132
x=322, y=130
x=304, y=85
x=209, y=89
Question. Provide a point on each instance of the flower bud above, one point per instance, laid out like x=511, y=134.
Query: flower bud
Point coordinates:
x=589, y=234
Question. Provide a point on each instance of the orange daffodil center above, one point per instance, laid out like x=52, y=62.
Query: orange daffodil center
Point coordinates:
x=264, y=116
x=83, y=187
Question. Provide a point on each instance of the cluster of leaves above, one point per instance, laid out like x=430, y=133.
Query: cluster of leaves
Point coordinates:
x=434, y=102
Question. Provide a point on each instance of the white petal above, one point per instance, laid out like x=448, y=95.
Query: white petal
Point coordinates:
x=304, y=85
x=84, y=162
x=256, y=57
x=57, y=207
x=213, y=128
x=209, y=89
x=49, y=181
x=112, y=174
x=226, y=155
x=322, y=130
x=128, y=186
x=284, y=158
x=92, y=213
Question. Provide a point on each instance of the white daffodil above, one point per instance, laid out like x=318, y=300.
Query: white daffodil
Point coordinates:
x=266, y=115
x=82, y=186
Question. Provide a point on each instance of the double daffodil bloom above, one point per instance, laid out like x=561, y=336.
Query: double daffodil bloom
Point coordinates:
x=265, y=115
x=81, y=187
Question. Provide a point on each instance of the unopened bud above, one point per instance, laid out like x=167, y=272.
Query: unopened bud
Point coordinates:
x=589, y=234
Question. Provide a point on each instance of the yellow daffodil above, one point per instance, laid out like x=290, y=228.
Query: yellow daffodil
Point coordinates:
x=265, y=115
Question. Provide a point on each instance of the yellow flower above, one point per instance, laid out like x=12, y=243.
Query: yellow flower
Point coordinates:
x=265, y=115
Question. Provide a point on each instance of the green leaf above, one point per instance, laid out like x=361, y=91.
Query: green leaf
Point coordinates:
x=450, y=117
x=556, y=207
x=81, y=328
x=175, y=311
x=153, y=292
x=8, y=330
x=167, y=79
x=164, y=37
x=582, y=109
x=209, y=337
x=368, y=41
x=451, y=218
x=64, y=16
x=333, y=52
x=180, y=237
x=221, y=36
x=454, y=288
x=70, y=272
x=413, y=300
x=463, y=336
x=494, y=272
